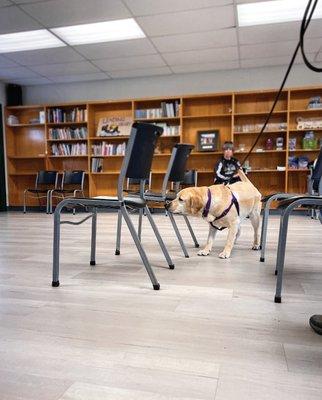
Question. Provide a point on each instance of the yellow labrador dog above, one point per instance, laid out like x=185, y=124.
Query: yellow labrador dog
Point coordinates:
x=222, y=207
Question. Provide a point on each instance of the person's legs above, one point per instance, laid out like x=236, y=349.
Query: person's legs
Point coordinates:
x=316, y=323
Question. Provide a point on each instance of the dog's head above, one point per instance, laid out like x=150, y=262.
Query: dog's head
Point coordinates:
x=189, y=201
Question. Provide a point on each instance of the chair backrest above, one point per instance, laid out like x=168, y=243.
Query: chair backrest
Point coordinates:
x=47, y=178
x=317, y=172
x=73, y=178
x=139, y=152
x=177, y=165
x=136, y=182
x=190, y=178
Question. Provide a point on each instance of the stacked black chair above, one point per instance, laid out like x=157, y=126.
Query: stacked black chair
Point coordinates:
x=45, y=182
x=137, y=165
x=72, y=185
x=175, y=175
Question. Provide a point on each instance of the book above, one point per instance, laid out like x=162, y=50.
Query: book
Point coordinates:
x=114, y=126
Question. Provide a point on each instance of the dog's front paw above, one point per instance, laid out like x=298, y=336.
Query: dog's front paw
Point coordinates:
x=256, y=247
x=203, y=252
x=224, y=254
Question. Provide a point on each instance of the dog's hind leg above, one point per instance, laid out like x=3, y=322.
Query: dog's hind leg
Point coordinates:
x=210, y=240
x=255, y=221
x=238, y=233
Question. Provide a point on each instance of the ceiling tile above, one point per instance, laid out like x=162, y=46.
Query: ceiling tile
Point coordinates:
x=319, y=56
x=188, y=21
x=198, y=40
x=6, y=63
x=178, y=69
x=80, y=77
x=46, y=56
x=126, y=48
x=149, y=7
x=127, y=63
x=279, y=49
x=17, y=72
x=141, y=72
x=57, y=13
x=51, y=70
x=268, y=61
x=276, y=32
x=4, y=3
x=30, y=81
x=12, y=19
x=202, y=56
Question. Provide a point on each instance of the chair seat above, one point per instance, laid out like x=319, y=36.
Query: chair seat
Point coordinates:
x=63, y=191
x=287, y=202
x=38, y=190
x=131, y=201
x=158, y=197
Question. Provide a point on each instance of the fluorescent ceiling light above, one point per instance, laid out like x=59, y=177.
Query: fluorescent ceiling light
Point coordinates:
x=271, y=12
x=29, y=40
x=109, y=31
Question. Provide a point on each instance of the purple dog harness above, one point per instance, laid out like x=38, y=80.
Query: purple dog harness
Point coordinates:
x=205, y=212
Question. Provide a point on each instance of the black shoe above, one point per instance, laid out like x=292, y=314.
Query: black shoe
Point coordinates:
x=316, y=323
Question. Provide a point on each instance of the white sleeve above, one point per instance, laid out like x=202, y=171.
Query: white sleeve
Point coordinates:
x=218, y=171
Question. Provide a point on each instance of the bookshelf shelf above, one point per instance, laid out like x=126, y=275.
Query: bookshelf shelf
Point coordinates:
x=257, y=132
x=26, y=157
x=298, y=170
x=108, y=138
x=161, y=119
x=29, y=147
x=66, y=123
x=206, y=116
x=259, y=113
x=25, y=125
x=107, y=156
x=260, y=152
x=66, y=140
x=80, y=156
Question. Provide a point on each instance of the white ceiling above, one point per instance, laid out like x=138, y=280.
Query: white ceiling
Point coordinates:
x=182, y=36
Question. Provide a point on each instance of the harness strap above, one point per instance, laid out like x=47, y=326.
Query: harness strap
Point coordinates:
x=205, y=212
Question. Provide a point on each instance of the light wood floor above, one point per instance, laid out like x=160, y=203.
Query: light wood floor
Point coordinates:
x=211, y=332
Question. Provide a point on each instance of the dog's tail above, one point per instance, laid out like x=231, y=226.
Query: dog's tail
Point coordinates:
x=243, y=176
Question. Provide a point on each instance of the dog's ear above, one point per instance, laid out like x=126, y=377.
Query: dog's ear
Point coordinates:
x=196, y=203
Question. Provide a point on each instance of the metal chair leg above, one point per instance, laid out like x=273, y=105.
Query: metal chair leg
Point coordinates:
x=191, y=231
x=118, y=233
x=140, y=223
x=264, y=231
x=176, y=230
x=155, y=283
x=93, y=237
x=24, y=201
x=281, y=256
x=56, y=245
x=159, y=238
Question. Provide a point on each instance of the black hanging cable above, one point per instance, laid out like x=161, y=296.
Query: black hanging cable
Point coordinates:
x=304, y=25
x=302, y=33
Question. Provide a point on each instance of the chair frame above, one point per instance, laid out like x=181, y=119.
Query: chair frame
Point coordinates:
x=54, y=193
x=28, y=190
x=289, y=205
x=119, y=203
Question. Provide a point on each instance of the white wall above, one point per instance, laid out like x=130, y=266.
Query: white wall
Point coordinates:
x=204, y=82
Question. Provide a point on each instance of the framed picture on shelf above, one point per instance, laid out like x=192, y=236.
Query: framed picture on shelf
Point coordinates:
x=208, y=140
x=114, y=126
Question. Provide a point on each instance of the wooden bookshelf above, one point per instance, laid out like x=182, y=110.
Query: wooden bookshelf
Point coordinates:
x=29, y=142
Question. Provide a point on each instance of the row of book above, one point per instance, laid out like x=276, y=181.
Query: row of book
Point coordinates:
x=97, y=164
x=68, y=133
x=57, y=115
x=167, y=110
x=107, y=149
x=169, y=130
x=64, y=149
